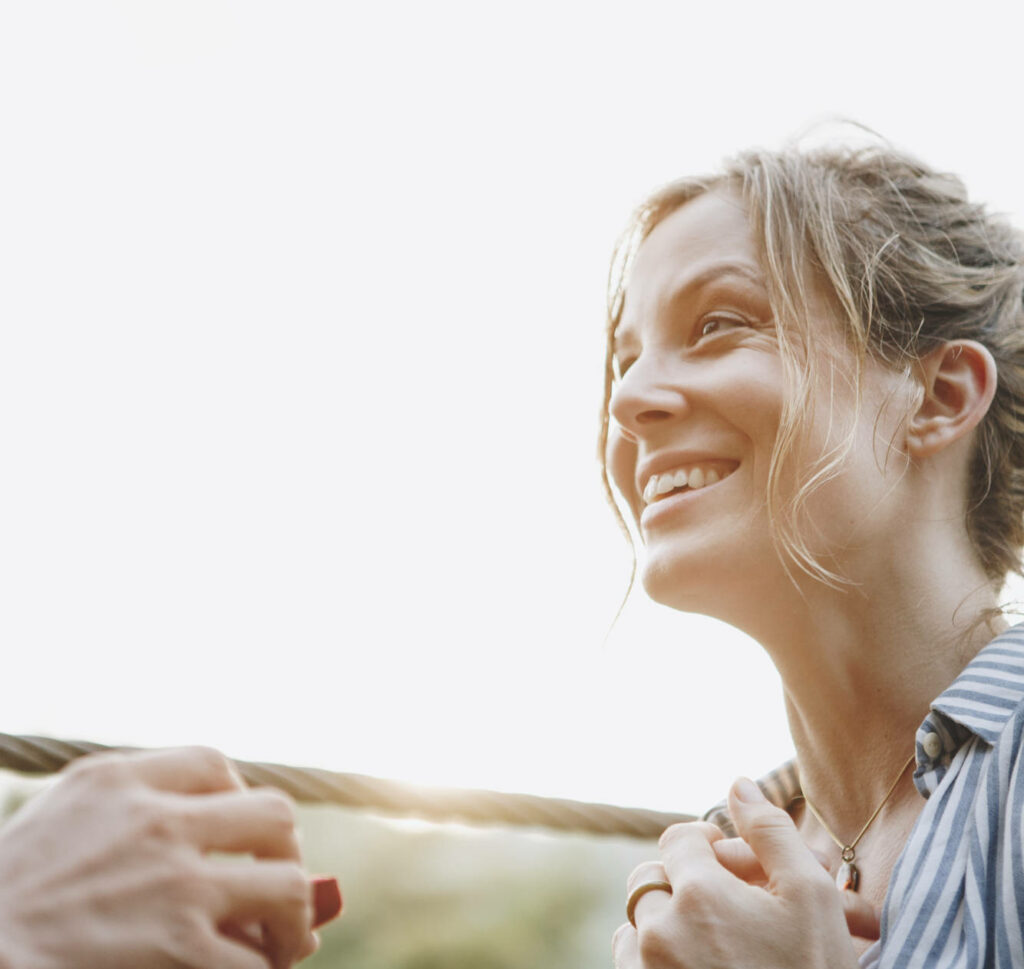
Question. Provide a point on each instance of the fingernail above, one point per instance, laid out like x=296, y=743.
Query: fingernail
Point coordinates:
x=326, y=899
x=748, y=792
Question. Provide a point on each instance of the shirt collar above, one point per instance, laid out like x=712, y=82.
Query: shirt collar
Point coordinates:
x=985, y=695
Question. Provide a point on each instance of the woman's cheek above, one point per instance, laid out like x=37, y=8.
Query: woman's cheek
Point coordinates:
x=621, y=455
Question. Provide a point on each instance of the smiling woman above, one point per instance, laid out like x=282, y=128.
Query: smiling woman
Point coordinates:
x=708, y=329
x=815, y=388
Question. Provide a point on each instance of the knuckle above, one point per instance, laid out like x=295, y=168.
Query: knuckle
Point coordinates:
x=295, y=887
x=187, y=888
x=685, y=828
x=294, y=900
x=731, y=848
x=669, y=835
x=164, y=829
x=278, y=808
x=691, y=898
x=105, y=769
x=674, y=832
x=187, y=938
x=210, y=761
x=644, y=872
x=637, y=872
x=158, y=823
x=772, y=820
x=773, y=829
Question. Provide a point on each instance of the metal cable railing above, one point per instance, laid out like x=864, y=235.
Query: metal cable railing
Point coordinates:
x=43, y=755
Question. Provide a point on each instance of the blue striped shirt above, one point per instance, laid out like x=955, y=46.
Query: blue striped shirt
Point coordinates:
x=956, y=896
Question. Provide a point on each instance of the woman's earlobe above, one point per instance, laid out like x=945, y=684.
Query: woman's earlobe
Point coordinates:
x=958, y=382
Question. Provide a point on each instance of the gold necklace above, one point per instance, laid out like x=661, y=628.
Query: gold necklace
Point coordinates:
x=848, y=876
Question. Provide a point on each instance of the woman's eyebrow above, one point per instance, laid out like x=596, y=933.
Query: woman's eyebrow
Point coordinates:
x=688, y=284
x=691, y=282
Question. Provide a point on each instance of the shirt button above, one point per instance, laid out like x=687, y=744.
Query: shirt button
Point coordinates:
x=932, y=744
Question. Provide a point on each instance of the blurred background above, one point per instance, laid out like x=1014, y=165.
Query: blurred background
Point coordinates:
x=302, y=309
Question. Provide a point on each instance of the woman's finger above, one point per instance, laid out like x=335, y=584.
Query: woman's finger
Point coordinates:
x=644, y=873
x=275, y=894
x=625, y=952
x=260, y=822
x=735, y=855
x=862, y=918
x=687, y=853
x=226, y=953
x=647, y=890
x=184, y=770
x=771, y=834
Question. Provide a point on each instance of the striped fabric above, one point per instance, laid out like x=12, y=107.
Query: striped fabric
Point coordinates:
x=956, y=897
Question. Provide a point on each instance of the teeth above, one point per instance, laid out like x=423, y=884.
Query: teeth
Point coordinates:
x=692, y=478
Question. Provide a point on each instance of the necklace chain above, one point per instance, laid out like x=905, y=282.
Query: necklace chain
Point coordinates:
x=849, y=850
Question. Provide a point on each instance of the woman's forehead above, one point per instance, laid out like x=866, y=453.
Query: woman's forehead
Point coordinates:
x=705, y=241
x=712, y=228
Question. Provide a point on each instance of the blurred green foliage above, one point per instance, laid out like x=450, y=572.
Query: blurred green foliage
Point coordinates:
x=421, y=896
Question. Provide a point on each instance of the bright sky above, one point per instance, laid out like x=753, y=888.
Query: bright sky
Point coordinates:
x=302, y=310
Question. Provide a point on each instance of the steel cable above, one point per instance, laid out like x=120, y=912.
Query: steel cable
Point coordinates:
x=312, y=785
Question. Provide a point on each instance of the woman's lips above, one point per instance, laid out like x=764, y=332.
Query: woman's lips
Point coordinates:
x=664, y=504
x=686, y=477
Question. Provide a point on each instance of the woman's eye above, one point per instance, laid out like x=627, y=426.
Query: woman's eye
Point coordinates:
x=718, y=323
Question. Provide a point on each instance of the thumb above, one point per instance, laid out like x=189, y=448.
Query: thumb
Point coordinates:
x=770, y=832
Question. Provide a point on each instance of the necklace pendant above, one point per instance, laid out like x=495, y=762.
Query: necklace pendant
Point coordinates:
x=848, y=877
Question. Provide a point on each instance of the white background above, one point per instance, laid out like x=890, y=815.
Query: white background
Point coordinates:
x=302, y=309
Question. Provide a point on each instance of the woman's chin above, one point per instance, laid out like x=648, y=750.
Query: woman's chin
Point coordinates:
x=717, y=583
x=689, y=586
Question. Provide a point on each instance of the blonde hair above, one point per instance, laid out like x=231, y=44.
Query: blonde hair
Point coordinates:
x=909, y=263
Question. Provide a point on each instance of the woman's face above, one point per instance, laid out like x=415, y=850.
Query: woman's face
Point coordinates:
x=698, y=407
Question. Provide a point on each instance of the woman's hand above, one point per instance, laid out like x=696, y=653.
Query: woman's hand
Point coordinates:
x=112, y=867
x=760, y=900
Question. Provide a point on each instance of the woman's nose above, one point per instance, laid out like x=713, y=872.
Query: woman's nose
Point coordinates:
x=641, y=404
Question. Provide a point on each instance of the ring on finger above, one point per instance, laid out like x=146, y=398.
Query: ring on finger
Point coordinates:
x=639, y=892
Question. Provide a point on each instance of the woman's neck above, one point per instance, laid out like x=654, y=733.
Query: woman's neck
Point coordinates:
x=861, y=667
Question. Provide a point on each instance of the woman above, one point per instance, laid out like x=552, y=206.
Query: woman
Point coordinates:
x=815, y=399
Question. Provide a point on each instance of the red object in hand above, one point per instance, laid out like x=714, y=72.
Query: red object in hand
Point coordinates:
x=326, y=899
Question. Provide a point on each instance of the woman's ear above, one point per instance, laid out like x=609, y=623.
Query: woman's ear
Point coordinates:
x=958, y=382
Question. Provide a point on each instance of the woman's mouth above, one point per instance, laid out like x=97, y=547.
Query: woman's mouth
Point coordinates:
x=686, y=478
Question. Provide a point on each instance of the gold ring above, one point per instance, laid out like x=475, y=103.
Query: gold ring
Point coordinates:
x=639, y=892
